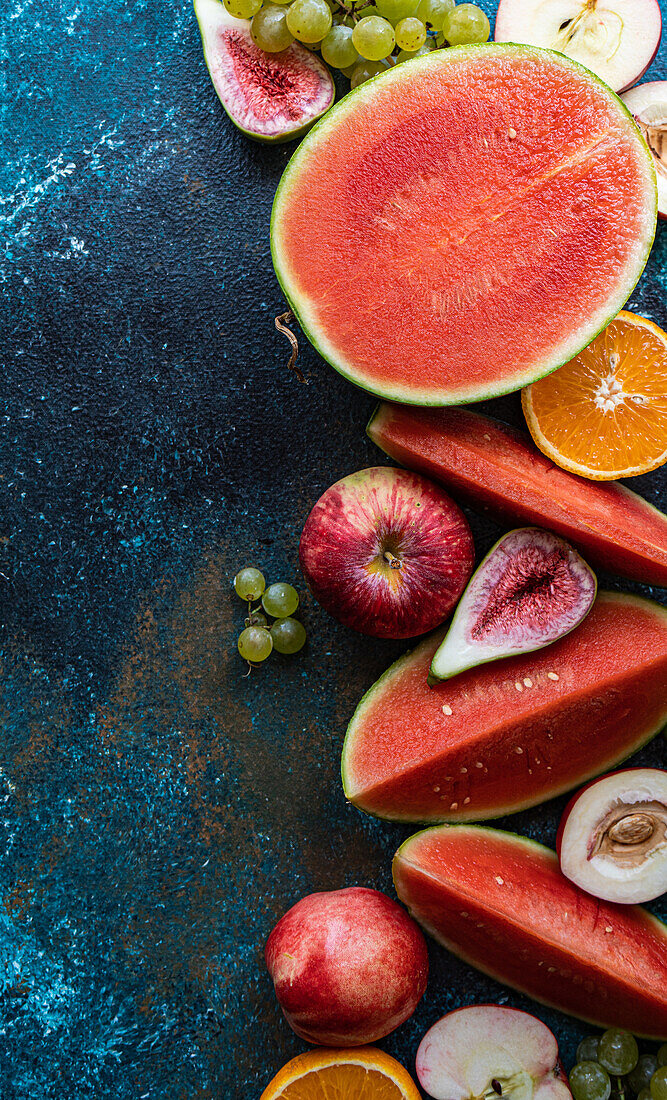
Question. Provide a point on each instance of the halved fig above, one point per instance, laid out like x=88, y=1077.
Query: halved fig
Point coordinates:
x=269, y=96
x=647, y=103
x=612, y=840
x=484, y=1052
x=530, y=590
x=615, y=39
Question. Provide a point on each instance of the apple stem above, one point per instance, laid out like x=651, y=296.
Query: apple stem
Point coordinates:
x=393, y=562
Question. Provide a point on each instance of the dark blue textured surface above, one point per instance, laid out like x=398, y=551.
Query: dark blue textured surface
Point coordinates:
x=158, y=812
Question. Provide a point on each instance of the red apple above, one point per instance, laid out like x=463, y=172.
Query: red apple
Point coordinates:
x=387, y=552
x=490, y=1051
x=612, y=840
x=348, y=966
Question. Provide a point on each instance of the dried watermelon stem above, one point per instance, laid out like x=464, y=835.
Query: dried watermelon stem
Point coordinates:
x=282, y=322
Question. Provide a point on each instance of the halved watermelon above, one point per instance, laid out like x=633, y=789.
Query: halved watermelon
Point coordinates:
x=459, y=226
x=507, y=735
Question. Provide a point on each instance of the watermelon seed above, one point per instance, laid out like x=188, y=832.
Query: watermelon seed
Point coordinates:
x=464, y=771
x=518, y=686
x=553, y=676
x=446, y=709
x=454, y=806
x=528, y=682
x=511, y=133
x=518, y=750
x=466, y=801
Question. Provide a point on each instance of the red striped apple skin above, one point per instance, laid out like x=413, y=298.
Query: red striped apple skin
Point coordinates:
x=500, y=902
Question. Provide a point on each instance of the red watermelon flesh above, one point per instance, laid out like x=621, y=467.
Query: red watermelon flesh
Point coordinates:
x=497, y=206
x=511, y=734
x=500, y=902
x=500, y=470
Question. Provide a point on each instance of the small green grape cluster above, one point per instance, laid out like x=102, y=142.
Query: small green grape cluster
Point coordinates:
x=258, y=640
x=612, y=1065
x=362, y=37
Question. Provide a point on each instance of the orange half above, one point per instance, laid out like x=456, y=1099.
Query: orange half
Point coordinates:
x=364, y=1073
x=604, y=414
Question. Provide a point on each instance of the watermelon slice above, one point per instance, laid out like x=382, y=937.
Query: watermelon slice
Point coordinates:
x=464, y=224
x=499, y=470
x=504, y=736
x=500, y=902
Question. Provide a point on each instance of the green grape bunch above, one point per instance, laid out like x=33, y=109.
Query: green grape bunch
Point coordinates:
x=363, y=38
x=259, y=639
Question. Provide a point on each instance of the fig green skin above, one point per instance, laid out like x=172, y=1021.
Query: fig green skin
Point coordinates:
x=437, y=675
x=461, y=396
x=223, y=17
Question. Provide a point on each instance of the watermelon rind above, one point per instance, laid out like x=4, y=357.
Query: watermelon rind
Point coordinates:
x=461, y=395
x=211, y=16
x=511, y=806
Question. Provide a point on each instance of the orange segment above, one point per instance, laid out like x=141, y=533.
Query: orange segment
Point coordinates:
x=364, y=1073
x=604, y=414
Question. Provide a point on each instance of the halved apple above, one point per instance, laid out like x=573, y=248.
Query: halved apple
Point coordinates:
x=489, y=1052
x=615, y=39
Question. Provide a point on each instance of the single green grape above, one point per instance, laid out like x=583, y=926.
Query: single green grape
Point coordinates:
x=407, y=55
x=338, y=48
x=309, y=20
x=249, y=583
x=433, y=12
x=589, y=1081
x=364, y=70
x=587, y=1051
x=280, y=600
x=618, y=1052
x=255, y=618
x=348, y=71
x=658, y=1084
x=289, y=635
x=395, y=10
x=465, y=25
x=243, y=9
x=643, y=1072
x=373, y=38
x=269, y=29
x=255, y=644
x=662, y=1055
x=410, y=34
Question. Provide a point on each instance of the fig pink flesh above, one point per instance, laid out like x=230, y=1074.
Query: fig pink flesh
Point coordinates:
x=530, y=591
x=387, y=552
x=348, y=966
x=268, y=95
